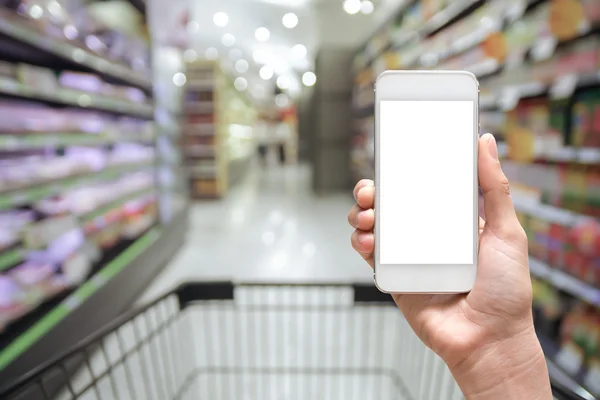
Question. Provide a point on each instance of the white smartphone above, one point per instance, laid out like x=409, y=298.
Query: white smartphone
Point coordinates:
x=426, y=185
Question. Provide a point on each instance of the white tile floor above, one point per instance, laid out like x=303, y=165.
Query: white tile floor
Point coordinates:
x=271, y=227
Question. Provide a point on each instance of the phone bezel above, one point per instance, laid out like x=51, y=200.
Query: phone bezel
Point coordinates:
x=427, y=85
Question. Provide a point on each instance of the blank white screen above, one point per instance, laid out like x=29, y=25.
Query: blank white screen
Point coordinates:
x=426, y=179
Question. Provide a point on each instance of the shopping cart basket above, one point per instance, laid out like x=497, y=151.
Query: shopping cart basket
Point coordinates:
x=220, y=341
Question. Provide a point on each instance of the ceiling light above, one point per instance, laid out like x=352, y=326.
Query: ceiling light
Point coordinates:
x=290, y=20
x=211, y=53
x=352, y=6
x=242, y=66
x=221, y=19
x=309, y=78
x=190, y=55
x=299, y=50
x=367, y=7
x=179, y=79
x=228, y=40
x=266, y=73
x=193, y=27
x=240, y=84
x=282, y=101
x=235, y=54
x=283, y=82
x=262, y=34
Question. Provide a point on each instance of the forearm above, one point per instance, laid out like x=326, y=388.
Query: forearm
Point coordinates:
x=512, y=370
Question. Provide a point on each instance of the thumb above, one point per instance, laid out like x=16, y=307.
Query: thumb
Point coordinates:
x=500, y=213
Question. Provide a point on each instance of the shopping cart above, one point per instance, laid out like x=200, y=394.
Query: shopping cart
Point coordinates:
x=250, y=342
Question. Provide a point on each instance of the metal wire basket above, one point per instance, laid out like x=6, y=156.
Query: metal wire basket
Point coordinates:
x=221, y=341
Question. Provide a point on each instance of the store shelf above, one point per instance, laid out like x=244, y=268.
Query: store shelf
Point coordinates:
x=507, y=97
x=72, y=54
x=565, y=282
x=76, y=99
x=28, y=141
x=106, y=295
x=102, y=210
x=567, y=384
x=17, y=197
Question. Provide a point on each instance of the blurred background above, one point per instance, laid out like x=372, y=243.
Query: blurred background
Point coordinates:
x=146, y=143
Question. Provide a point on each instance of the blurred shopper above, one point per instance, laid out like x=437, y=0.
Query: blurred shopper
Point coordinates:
x=486, y=337
x=261, y=132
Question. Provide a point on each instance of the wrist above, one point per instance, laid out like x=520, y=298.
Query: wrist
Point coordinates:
x=514, y=368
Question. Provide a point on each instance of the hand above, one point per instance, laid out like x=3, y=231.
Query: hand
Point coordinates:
x=486, y=337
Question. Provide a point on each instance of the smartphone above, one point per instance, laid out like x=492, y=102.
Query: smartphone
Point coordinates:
x=426, y=187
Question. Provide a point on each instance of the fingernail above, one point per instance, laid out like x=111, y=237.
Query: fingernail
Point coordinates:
x=493, y=147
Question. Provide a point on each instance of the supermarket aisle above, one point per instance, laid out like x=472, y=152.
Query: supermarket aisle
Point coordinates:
x=269, y=228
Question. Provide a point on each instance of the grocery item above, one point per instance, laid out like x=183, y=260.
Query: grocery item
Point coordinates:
x=585, y=121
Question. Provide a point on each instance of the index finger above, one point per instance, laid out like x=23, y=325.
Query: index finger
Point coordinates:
x=361, y=184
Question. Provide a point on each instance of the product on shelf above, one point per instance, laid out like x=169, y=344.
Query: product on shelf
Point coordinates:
x=585, y=120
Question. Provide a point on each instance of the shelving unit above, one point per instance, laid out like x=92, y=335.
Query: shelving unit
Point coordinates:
x=80, y=234
x=202, y=144
x=538, y=64
x=218, y=139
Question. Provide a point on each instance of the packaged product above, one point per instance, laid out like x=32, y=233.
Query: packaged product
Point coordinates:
x=574, y=188
x=558, y=245
x=42, y=79
x=585, y=121
x=572, y=356
x=84, y=82
x=566, y=18
x=540, y=229
x=593, y=192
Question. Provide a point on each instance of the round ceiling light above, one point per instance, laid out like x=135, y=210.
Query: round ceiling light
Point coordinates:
x=240, y=84
x=190, y=55
x=228, y=40
x=309, y=79
x=221, y=19
x=352, y=6
x=266, y=73
x=283, y=82
x=262, y=34
x=179, y=79
x=193, y=27
x=282, y=101
x=290, y=20
x=242, y=66
x=367, y=7
x=299, y=50
x=211, y=53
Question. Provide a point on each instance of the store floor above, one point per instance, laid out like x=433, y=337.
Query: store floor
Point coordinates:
x=270, y=228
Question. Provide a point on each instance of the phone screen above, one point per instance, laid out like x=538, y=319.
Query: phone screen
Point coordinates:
x=426, y=179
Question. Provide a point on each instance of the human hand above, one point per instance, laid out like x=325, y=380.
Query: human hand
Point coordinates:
x=486, y=337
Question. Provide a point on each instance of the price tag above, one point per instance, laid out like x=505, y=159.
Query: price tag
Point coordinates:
x=72, y=302
x=563, y=154
x=589, y=156
x=570, y=358
x=11, y=143
x=509, y=98
x=564, y=87
x=592, y=379
x=9, y=86
x=544, y=48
